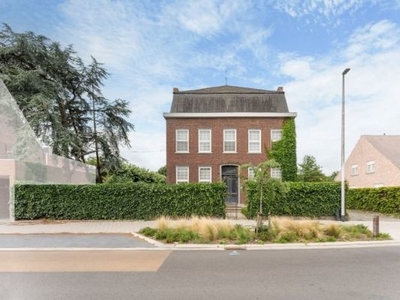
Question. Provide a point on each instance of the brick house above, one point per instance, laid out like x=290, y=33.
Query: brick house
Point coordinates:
x=374, y=162
x=211, y=132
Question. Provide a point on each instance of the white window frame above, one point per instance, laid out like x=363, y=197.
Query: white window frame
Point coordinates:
x=182, y=170
x=274, y=133
x=204, y=143
x=371, y=167
x=254, y=145
x=178, y=140
x=276, y=173
x=209, y=173
x=250, y=173
x=354, y=170
x=230, y=141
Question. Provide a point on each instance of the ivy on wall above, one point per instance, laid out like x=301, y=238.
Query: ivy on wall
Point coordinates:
x=284, y=151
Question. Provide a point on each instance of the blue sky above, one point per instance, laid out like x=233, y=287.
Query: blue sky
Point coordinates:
x=150, y=47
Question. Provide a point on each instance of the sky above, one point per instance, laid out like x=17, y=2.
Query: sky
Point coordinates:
x=150, y=47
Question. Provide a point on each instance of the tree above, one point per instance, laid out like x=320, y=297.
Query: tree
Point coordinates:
x=130, y=173
x=266, y=186
x=284, y=151
x=310, y=171
x=162, y=170
x=61, y=98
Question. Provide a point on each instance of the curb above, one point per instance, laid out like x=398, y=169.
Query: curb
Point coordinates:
x=206, y=247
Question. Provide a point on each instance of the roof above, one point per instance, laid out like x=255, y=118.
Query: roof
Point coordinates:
x=229, y=99
x=387, y=145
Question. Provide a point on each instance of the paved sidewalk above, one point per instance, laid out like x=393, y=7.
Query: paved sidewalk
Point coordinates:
x=387, y=225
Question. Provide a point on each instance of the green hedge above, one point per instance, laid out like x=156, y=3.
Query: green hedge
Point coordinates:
x=133, y=201
x=385, y=200
x=300, y=199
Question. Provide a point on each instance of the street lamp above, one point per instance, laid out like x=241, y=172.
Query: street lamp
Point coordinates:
x=342, y=202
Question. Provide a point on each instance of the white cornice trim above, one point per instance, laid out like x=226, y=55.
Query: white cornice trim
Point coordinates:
x=231, y=115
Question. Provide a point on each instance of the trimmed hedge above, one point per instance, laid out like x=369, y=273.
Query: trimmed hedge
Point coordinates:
x=133, y=201
x=300, y=199
x=384, y=200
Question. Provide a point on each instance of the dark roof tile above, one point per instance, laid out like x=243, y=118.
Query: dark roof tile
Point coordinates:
x=228, y=99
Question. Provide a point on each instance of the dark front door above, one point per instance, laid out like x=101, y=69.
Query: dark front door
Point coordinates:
x=230, y=177
x=4, y=198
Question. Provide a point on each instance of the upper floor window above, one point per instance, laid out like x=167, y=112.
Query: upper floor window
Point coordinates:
x=276, y=135
x=204, y=140
x=354, y=170
x=276, y=173
x=230, y=140
x=182, y=140
x=254, y=141
x=182, y=174
x=371, y=167
x=204, y=174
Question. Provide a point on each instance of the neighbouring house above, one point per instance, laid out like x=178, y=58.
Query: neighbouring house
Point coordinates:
x=23, y=159
x=374, y=162
x=211, y=132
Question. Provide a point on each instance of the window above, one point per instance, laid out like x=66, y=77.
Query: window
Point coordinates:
x=182, y=174
x=276, y=135
x=230, y=140
x=182, y=140
x=250, y=173
x=354, y=170
x=371, y=167
x=276, y=173
x=204, y=174
x=204, y=140
x=254, y=141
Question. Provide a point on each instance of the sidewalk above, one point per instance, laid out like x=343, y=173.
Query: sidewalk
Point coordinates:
x=387, y=225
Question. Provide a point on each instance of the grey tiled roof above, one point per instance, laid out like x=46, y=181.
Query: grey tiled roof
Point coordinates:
x=388, y=145
x=228, y=99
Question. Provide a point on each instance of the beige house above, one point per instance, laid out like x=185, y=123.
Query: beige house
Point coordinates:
x=374, y=162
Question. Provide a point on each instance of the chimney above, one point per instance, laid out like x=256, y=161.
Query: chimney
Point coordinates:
x=175, y=90
x=280, y=89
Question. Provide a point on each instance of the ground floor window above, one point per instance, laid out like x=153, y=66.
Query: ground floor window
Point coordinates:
x=276, y=173
x=182, y=174
x=204, y=174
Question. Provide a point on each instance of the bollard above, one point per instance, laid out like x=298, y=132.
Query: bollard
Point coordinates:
x=375, y=226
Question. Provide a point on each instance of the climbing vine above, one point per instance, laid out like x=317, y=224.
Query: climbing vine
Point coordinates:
x=284, y=151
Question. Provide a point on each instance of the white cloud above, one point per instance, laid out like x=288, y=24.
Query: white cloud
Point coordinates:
x=323, y=12
x=204, y=18
x=148, y=150
x=372, y=93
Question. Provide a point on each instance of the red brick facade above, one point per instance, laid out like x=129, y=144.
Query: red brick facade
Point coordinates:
x=217, y=158
x=245, y=116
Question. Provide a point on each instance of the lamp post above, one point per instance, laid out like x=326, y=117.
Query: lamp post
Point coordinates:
x=342, y=198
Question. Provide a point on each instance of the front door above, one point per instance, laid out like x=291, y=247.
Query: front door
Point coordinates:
x=4, y=198
x=230, y=177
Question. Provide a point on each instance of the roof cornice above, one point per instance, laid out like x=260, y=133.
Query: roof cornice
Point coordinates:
x=231, y=115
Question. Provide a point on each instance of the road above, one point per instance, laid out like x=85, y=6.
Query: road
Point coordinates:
x=349, y=273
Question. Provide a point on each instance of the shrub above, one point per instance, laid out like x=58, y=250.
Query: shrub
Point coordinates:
x=133, y=201
x=301, y=199
x=385, y=200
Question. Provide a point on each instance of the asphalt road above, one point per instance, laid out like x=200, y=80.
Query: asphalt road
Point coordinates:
x=358, y=273
x=72, y=241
